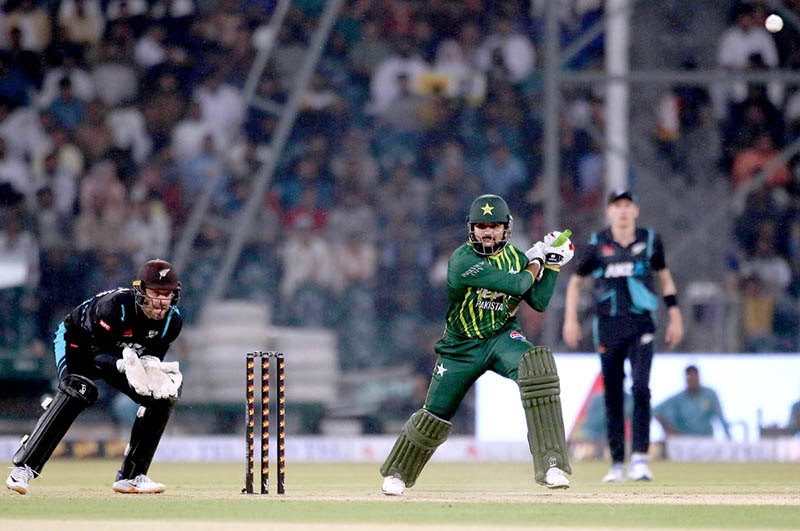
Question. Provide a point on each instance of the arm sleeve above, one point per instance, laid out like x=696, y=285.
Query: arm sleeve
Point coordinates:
x=538, y=296
x=106, y=323
x=588, y=260
x=657, y=261
x=664, y=410
x=481, y=274
x=720, y=416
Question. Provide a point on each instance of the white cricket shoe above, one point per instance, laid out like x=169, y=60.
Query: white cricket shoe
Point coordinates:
x=616, y=474
x=393, y=486
x=556, y=479
x=639, y=470
x=19, y=477
x=141, y=484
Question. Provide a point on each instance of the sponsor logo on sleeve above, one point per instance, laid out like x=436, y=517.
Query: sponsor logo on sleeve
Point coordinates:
x=104, y=325
x=517, y=335
x=474, y=270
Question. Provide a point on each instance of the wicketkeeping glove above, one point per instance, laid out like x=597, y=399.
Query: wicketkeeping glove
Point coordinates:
x=131, y=365
x=172, y=370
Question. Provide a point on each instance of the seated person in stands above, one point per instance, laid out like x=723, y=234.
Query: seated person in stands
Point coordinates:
x=690, y=412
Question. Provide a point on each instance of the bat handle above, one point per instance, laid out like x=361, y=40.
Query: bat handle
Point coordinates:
x=564, y=236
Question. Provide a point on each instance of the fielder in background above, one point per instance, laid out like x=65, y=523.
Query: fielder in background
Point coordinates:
x=120, y=336
x=487, y=280
x=624, y=261
x=691, y=411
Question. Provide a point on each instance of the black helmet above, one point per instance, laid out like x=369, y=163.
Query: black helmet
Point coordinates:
x=489, y=208
x=157, y=274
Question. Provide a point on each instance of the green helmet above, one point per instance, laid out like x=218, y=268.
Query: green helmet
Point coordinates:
x=489, y=208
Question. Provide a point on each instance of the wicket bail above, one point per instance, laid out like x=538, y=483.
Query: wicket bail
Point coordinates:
x=265, y=358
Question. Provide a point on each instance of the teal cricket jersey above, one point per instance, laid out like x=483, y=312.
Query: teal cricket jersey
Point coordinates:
x=485, y=292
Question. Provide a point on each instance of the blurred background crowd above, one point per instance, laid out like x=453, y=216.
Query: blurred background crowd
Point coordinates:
x=115, y=115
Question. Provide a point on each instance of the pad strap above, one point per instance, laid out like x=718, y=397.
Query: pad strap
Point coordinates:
x=539, y=390
x=419, y=438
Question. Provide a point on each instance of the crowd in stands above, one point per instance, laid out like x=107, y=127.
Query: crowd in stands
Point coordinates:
x=115, y=115
x=753, y=121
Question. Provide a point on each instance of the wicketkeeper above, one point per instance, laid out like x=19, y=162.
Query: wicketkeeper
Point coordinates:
x=487, y=279
x=120, y=336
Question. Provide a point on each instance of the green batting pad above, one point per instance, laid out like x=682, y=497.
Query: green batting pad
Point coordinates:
x=419, y=438
x=539, y=390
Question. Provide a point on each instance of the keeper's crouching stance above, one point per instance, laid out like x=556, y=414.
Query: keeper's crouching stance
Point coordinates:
x=121, y=337
x=487, y=279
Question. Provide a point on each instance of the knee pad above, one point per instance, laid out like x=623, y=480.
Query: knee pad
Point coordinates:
x=75, y=393
x=419, y=438
x=540, y=391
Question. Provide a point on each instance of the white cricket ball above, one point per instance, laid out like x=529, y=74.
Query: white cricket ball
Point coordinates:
x=774, y=23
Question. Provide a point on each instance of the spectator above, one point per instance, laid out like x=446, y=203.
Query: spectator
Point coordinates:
x=304, y=285
x=762, y=156
x=502, y=171
x=81, y=21
x=14, y=172
x=20, y=276
x=67, y=109
x=150, y=49
x=189, y=134
x=691, y=411
x=736, y=45
x=80, y=80
x=33, y=23
x=220, y=107
x=384, y=86
x=60, y=180
x=93, y=135
x=114, y=76
x=147, y=229
x=52, y=226
x=506, y=54
x=794, y=418
x=367, y=52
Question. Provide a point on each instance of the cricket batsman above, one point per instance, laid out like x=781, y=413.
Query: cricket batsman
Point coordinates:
x=487, y=279
x=120, y=336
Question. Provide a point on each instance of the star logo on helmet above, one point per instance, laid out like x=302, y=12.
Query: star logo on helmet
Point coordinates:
x=163, y=273
x=487, y=209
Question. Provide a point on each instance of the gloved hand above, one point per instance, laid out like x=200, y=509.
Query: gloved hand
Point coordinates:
x=172, y=370
x=536, y=253
x=557, y=257
x=157, y=381
x=131, y=365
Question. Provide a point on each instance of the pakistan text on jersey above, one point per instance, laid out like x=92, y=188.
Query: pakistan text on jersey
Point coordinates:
x=490, y=305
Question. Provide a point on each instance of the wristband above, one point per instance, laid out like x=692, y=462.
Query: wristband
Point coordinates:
x=671, y=300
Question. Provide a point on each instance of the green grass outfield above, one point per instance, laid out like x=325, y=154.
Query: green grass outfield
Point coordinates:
x=474, y=496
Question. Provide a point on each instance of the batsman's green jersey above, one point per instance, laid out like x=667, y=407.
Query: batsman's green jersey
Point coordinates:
x=481, y=331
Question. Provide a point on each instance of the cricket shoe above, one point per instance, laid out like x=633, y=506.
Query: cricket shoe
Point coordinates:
x=616, y=474
x=556, y=479
x=393, y=486
x=19, y=477
x=141, y=484
x=639, y=470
